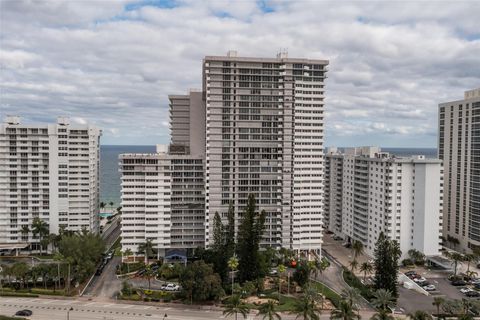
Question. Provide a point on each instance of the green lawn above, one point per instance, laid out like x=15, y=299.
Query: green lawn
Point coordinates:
x=328, y=293
x=10, y=318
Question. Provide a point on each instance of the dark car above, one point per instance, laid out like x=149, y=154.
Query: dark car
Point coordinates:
x=458, y=283
x=141, y=272
x=410, y=273
x=24, y=313
x=472, y=294
x=423, y=284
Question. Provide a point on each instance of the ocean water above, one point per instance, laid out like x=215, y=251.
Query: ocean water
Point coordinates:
x=406, y=152
x=109, y=175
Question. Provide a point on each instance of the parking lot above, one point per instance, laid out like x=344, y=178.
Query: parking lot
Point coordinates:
x=411, y=300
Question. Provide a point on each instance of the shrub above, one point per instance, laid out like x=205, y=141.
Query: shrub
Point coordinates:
x=407, y=262
x=354, y=282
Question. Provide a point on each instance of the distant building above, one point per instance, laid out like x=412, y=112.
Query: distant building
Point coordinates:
x=264, y=136
x=49, y=171
x=370, y=192
x=459, y=148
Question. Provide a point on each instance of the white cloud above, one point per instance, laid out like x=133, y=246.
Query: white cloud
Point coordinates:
x=390, y=63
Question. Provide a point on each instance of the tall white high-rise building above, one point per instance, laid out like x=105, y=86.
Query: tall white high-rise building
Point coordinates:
x=264, y=136
x=50, y=172
x=370, y=192
x=459, y=148
x=163, y=193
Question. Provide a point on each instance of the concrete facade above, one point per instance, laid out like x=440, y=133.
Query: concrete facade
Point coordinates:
x=400, y=197
x=264, y=135
x=162, y=200
x=48, y=171
x=459, y=148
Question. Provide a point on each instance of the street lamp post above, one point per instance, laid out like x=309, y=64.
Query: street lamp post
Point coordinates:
x=68, y=313
x=165, y=316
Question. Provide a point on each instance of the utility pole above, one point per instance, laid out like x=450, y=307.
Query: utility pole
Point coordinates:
x=68, y=313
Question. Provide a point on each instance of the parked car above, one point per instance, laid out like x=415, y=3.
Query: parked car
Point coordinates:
x=172, y=287
x=410, y=273
x=24, y=313
x=465, y=290
x=423, y=283
x=458, y=283
x=337, y=238
x=477, y=285
x=420, y=279
x=273, y=272
x=163, y=286
x=472, y=293
x=475, y=281
x=430, y=287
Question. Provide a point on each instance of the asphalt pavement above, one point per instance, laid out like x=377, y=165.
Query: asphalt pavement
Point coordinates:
x=52, y=309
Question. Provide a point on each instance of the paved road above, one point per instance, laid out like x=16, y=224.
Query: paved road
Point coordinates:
x=106, y=285
x=50, y=309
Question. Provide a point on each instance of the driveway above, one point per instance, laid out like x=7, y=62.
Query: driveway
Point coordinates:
x=106, y=285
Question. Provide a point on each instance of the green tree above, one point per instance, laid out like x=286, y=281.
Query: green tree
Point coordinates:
x=281, y=270
x=387, y=253
x=250, y=234
x=20, y=272
x=352, y=296
x=82, y=251
x=25, y=231
x=344, y=311
x=306, y=309
x=382, y=315
x=438, y=302
x=268, y=311
x=353, y=265
x=469, y=258
x=111, y=204
x=128, y=253
x=149, y=274
x=419, y=315
x=102, y=205
x=39, y=228
x=366, y=267
x=200, y=283
x=456, y=257
x=233, y=265
x=146, y=248
x=235, y=306
x=301, y=274
x=383, y=299
x=357, y=248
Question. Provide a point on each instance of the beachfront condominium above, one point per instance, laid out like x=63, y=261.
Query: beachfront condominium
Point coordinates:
x=163, y=193
x=459, y=148
x=264, y=136
x=370, y=192
x=50, y=172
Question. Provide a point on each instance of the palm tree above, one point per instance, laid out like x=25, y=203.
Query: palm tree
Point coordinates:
x=102, y=205
x=40, y=228
x=111, y=204
x=438, y=302
x=366, y=267
x=234, y=306
x=470, y=257
x=268, y=311
x=233, y=265
x=383, y=299
x=352, y=296
x=353, y=265
x=345, y=311
x=306, y=309
x=382, y=315
x=128, y=252
x=420, y=315
x=146, y=248
x=357, y=248
x=456, y=257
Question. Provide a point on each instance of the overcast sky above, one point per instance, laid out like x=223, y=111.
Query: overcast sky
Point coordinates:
x=113, y=63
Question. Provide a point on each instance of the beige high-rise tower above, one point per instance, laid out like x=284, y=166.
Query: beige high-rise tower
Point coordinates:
x=459, y=148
